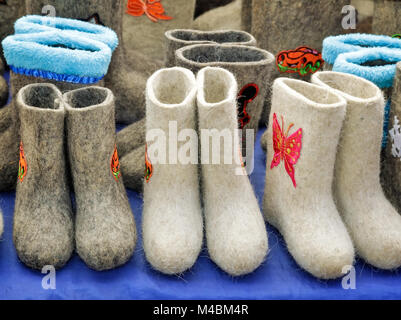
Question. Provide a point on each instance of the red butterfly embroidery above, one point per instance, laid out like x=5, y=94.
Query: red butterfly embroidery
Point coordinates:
x=153, y=9
x=286, y=148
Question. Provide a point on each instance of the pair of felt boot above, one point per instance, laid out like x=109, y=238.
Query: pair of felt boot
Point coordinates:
x=323, y=188
x=78, y=126
x=192, y=49
x=172, y=219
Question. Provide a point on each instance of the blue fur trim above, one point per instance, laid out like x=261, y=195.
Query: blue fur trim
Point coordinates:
x=59, y=52
x=34, y=24
x=55, y=76
x=382, y=76
x=335, y=45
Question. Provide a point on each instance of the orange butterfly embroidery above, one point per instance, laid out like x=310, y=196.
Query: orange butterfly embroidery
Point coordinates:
x=286, y=148
x=153, y=9
x=148, y=166
x=115, y=165
x=23, y=166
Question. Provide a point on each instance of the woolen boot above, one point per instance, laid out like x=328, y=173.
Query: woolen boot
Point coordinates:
x=105, y=227
x=172, y=223
x=386, y=17
x=133, y=166
x=235, y=230
x=373, y=223
x=43, y=230
x=303, y=136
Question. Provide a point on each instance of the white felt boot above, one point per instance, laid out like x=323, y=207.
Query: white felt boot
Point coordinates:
x=235, y=230
x=373, y=223
x=305, y=123
x=172, y=222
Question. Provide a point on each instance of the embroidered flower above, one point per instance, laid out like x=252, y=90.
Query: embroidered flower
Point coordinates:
x=152, y=8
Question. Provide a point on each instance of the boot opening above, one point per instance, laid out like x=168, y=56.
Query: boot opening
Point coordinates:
x=86, y=97
x=172, y=87
x=312, y=92
x=43, y=97
x=215, y=86
x=219, y=37
x=216, y=53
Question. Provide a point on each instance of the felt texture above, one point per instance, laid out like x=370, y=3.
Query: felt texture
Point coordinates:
x=235, y=230
x=172, y=223
x=178, y=38
x=36, y=23
x=226, y=17
x=333, y=46
x=131, y=137
x=132, y=168
x=60, y=52
x=105, y=228
x=373, y=223
x=43, y=230
x=249, y=65
x=386, y=17
x=246, y=14
x=363, y=64
x=306, y=215
x=391, y=164
x=128, y=73
x=148, y=36
x=3, y=91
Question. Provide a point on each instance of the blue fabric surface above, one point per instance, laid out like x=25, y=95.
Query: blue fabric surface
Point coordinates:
x=278, y=278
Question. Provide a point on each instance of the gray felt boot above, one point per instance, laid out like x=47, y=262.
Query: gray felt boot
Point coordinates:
x=127, y=75
x=131, y=137
x=251, y=67
x=132, y=168
x=105, y=227
x=178, y=38
x=43, y=226
x=386, y=17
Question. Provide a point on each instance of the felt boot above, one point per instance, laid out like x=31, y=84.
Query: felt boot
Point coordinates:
x=131, y=137
x=203, y=6
x=178, y=38
x=391, y=167
x=246, y=14
x=172, y=225
x=105, y=227
x=386, y=17
x=43, y=226
x=227, y=17
x=235, y=230
x=151, y=19
x=251, y=67
x=303, y=135
x=126, y=80
x=373, y=223
x=132, y=168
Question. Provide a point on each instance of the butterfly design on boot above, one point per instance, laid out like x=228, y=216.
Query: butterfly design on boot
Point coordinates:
x=286, y=148
x=23, y=166
x=152, y=8
x=247, y=94
x=115, y=165
x=148, y=166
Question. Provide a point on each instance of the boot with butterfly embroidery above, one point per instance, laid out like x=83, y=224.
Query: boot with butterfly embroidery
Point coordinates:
x=235, y=230
x=172, y=222
x=105, y=227
x=43, y=229
x=127, y=73
x=302, y=140
x=373, y=223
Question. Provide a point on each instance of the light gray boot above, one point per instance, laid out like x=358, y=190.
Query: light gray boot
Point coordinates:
x=43, y=226
x=105, y=227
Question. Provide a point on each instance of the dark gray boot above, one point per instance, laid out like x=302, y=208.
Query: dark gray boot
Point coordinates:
x=43, y=226
x=105, y=226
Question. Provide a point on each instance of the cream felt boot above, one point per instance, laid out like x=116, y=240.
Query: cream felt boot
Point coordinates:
x=235, y=230
x=132, y=168
x=386, y=17
x=178, y=38
x=172, y=225
x=124, y=78
x=251, y=67
x=43, y=230
x=302, y=139
x=105, y=227
x=373, y=223
x=227, y=17
x=151, y=19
